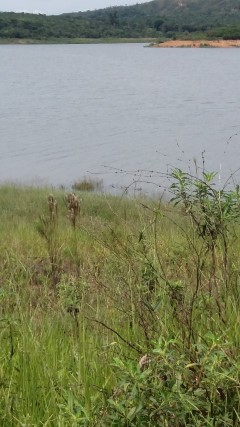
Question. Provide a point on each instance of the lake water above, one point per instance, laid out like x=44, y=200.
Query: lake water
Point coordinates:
x=69, y=111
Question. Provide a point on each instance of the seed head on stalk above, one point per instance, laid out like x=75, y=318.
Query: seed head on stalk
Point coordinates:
x=73, y=205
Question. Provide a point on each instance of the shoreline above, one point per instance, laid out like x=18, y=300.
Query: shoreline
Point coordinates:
x=23, y=42
x=152, y=42
x=198, y=44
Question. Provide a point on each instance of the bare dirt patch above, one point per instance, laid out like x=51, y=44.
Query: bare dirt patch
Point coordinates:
x=199, y=43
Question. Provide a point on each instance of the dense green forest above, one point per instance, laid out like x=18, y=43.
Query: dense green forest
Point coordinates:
x=158, y=18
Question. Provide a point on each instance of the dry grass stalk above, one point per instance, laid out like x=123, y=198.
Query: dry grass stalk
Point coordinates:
x=73, y=204
x=52, y=206
x=47, y=228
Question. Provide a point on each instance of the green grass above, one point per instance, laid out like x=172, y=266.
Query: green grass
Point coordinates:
x=126, y=276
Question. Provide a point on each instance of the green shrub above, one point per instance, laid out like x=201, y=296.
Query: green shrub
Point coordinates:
x=176, y=388
x=87, y=184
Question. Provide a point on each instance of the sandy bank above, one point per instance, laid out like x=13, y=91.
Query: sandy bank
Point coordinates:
x=199, y=43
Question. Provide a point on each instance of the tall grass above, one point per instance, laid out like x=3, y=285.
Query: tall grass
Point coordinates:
x=126, y=314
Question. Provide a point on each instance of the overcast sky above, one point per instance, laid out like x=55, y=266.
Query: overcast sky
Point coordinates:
x=60, y=6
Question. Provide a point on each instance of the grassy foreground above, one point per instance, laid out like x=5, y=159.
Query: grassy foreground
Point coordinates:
x=125, y=314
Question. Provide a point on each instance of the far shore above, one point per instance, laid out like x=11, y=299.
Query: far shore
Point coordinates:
x=199, y=43
x=107, y=40
x=111, y=40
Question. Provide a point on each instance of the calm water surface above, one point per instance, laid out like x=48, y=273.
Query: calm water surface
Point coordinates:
x=70, y=110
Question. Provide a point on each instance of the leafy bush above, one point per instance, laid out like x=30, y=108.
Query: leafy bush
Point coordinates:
x=176, y=388
x=190, y=376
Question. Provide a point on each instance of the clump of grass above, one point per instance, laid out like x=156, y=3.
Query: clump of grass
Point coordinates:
x=88, y=184
x=203, y=45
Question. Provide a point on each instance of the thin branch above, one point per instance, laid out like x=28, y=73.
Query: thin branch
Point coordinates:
x=132, y=346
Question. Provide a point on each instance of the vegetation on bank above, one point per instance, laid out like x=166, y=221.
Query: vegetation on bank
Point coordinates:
x=154, y=19
x=77, y=41
x=119, y=311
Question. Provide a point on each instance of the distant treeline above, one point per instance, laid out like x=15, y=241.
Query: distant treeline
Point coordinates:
x=158, y=18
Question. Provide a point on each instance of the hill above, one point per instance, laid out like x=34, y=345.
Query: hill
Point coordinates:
x=174, y=15
x=157, y=18
x=198, y=12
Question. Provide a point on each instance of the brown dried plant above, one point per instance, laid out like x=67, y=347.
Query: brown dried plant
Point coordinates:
x=73, y=205
x=52, y=206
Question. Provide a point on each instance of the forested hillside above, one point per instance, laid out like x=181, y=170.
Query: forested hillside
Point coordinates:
x=158, y=18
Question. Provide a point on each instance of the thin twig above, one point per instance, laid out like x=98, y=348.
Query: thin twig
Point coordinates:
x=132, y=346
